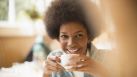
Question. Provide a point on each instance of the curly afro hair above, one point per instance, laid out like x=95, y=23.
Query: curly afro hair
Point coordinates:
x=65, y=11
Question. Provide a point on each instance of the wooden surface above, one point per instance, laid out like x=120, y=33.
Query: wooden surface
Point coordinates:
x=14, y=49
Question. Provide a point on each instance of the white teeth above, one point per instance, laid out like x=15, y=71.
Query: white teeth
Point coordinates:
x=73, y=50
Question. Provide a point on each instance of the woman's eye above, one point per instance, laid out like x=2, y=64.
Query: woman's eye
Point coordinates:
x=79, y=36
x=64, y=36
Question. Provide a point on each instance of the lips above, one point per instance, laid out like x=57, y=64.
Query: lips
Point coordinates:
x=73, y=51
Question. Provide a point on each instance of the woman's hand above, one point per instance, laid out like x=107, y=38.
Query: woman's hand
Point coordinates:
x=86, y=64
x=51, y=65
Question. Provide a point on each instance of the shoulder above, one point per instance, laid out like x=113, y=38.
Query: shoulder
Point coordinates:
x=99, y=54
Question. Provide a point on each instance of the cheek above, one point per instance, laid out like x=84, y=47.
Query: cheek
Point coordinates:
x=83, y=44
x=63, y=45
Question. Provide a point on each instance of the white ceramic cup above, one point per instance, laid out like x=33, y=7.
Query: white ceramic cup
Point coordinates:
x=67, y=59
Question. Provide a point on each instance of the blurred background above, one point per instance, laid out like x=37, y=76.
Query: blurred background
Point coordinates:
x=23, y=36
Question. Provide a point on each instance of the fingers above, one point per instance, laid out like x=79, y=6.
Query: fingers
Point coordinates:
x=53, y=68
x=81, y=65
x=54, y=58
x=76, y=61
x=51, y=64
x=76, y=67
x=86, y=65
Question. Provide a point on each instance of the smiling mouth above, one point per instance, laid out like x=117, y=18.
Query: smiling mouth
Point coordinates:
x=73, y=51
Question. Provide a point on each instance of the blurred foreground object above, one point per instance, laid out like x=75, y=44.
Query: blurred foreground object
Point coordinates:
x=26, y=69
x=124, y=16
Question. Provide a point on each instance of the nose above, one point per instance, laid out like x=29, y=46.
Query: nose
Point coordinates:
x=71, y=42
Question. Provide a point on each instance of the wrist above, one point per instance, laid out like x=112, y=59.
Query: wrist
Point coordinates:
x=47, y=75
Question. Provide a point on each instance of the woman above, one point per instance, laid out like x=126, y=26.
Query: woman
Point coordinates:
x=67, y=22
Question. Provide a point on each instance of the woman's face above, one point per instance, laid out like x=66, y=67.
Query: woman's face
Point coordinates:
x=73, y=38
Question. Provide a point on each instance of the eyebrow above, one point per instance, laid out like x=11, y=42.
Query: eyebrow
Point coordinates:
x=74, y=33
